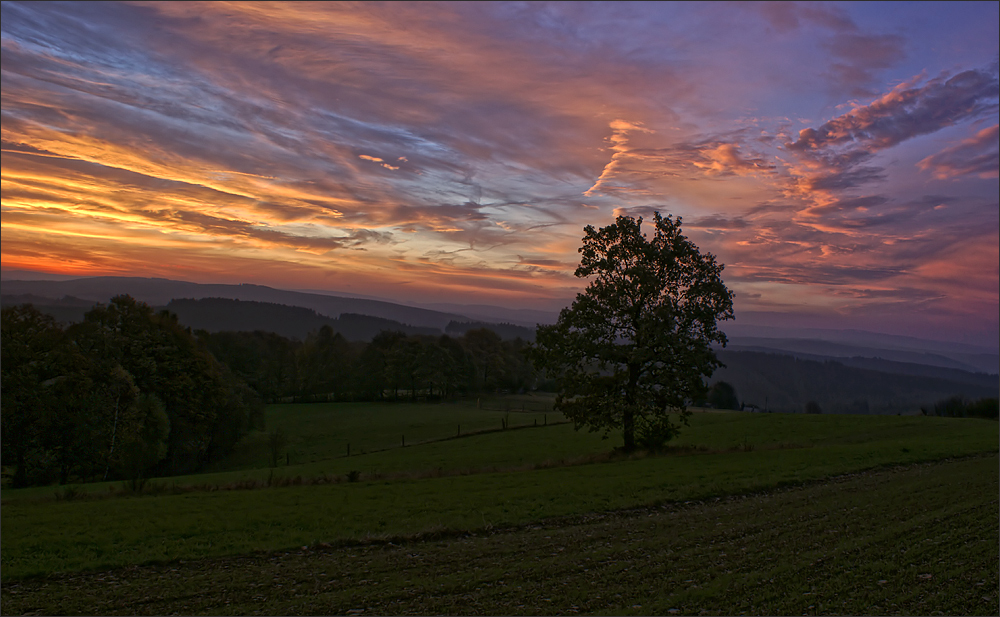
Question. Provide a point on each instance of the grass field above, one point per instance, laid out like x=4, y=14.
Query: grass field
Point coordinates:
x=481, y=481
x=323, y=431
x=318, y=436
x=916, y=539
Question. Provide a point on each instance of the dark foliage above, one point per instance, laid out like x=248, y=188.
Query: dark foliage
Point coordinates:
x=635, y=346
x=394, y=366
x=961, y=407
x=125, y=394
x=722, y=395
x=505, y=331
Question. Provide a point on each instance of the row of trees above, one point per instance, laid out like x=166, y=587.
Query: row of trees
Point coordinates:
x=127, y=393
x=961, y=407
x=393, y=366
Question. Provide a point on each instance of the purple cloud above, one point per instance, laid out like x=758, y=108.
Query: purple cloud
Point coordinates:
x=977, y=156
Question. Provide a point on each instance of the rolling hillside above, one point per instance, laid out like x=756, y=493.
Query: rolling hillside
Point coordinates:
x=786, y=383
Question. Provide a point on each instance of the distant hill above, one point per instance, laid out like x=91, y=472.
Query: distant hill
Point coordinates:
x=257, y=308
x=159, y=292
x=528, y=318
x=856, y=343
x=65, y=310
x=786, y=383
x=224, y=314
x=221, y=315
x=965, y=358
x=506, y=331
x=68, y=300
x=897, y=368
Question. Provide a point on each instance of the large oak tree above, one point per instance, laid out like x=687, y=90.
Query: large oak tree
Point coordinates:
x=635, y=346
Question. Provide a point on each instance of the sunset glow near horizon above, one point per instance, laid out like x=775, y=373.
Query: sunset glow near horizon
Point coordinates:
x=840, y=159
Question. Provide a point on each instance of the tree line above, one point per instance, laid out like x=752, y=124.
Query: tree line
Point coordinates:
x=128, y=393
x=394, y=366
x=962, y=407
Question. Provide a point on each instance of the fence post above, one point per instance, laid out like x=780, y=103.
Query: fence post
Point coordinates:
x=404, y=441
x=348, y=449
x=459, y=431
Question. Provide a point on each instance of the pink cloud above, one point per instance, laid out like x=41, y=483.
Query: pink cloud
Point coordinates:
x=906, y=112
x=977, y=156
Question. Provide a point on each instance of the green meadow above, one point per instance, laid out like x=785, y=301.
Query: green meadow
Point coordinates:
x=445, y=481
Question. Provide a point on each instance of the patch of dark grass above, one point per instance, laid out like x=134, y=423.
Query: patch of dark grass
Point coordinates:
x=915, y=539
x=69, y=493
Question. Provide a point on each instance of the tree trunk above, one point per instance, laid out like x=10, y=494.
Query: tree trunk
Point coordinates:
x=628, y=428
x=114, y=432
x=21, y=475
x=628, y=415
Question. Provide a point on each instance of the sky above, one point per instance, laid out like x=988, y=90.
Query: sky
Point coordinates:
x=841, y=159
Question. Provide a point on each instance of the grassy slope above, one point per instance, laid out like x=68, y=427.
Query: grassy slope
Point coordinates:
x=323, y=431
x=41, y=537
x=318, y=435
x=920, y=539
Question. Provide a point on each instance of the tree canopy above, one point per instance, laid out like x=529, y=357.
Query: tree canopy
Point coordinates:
x=125, y=394
x=635, y=346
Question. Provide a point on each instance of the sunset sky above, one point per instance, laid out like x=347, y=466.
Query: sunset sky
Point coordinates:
x=840, y=159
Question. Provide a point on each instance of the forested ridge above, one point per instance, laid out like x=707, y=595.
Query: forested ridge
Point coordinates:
x=784, y=383
x=295, y=322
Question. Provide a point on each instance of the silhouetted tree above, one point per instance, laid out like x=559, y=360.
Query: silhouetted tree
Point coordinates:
x=32, y=361
x=636, y=344
x=108, y=395
x=141, y=449
x=486, y=350
x=722, y=395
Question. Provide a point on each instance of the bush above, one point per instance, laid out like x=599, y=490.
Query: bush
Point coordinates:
x=722, y=395
x=654, y=433
x=984, y=408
